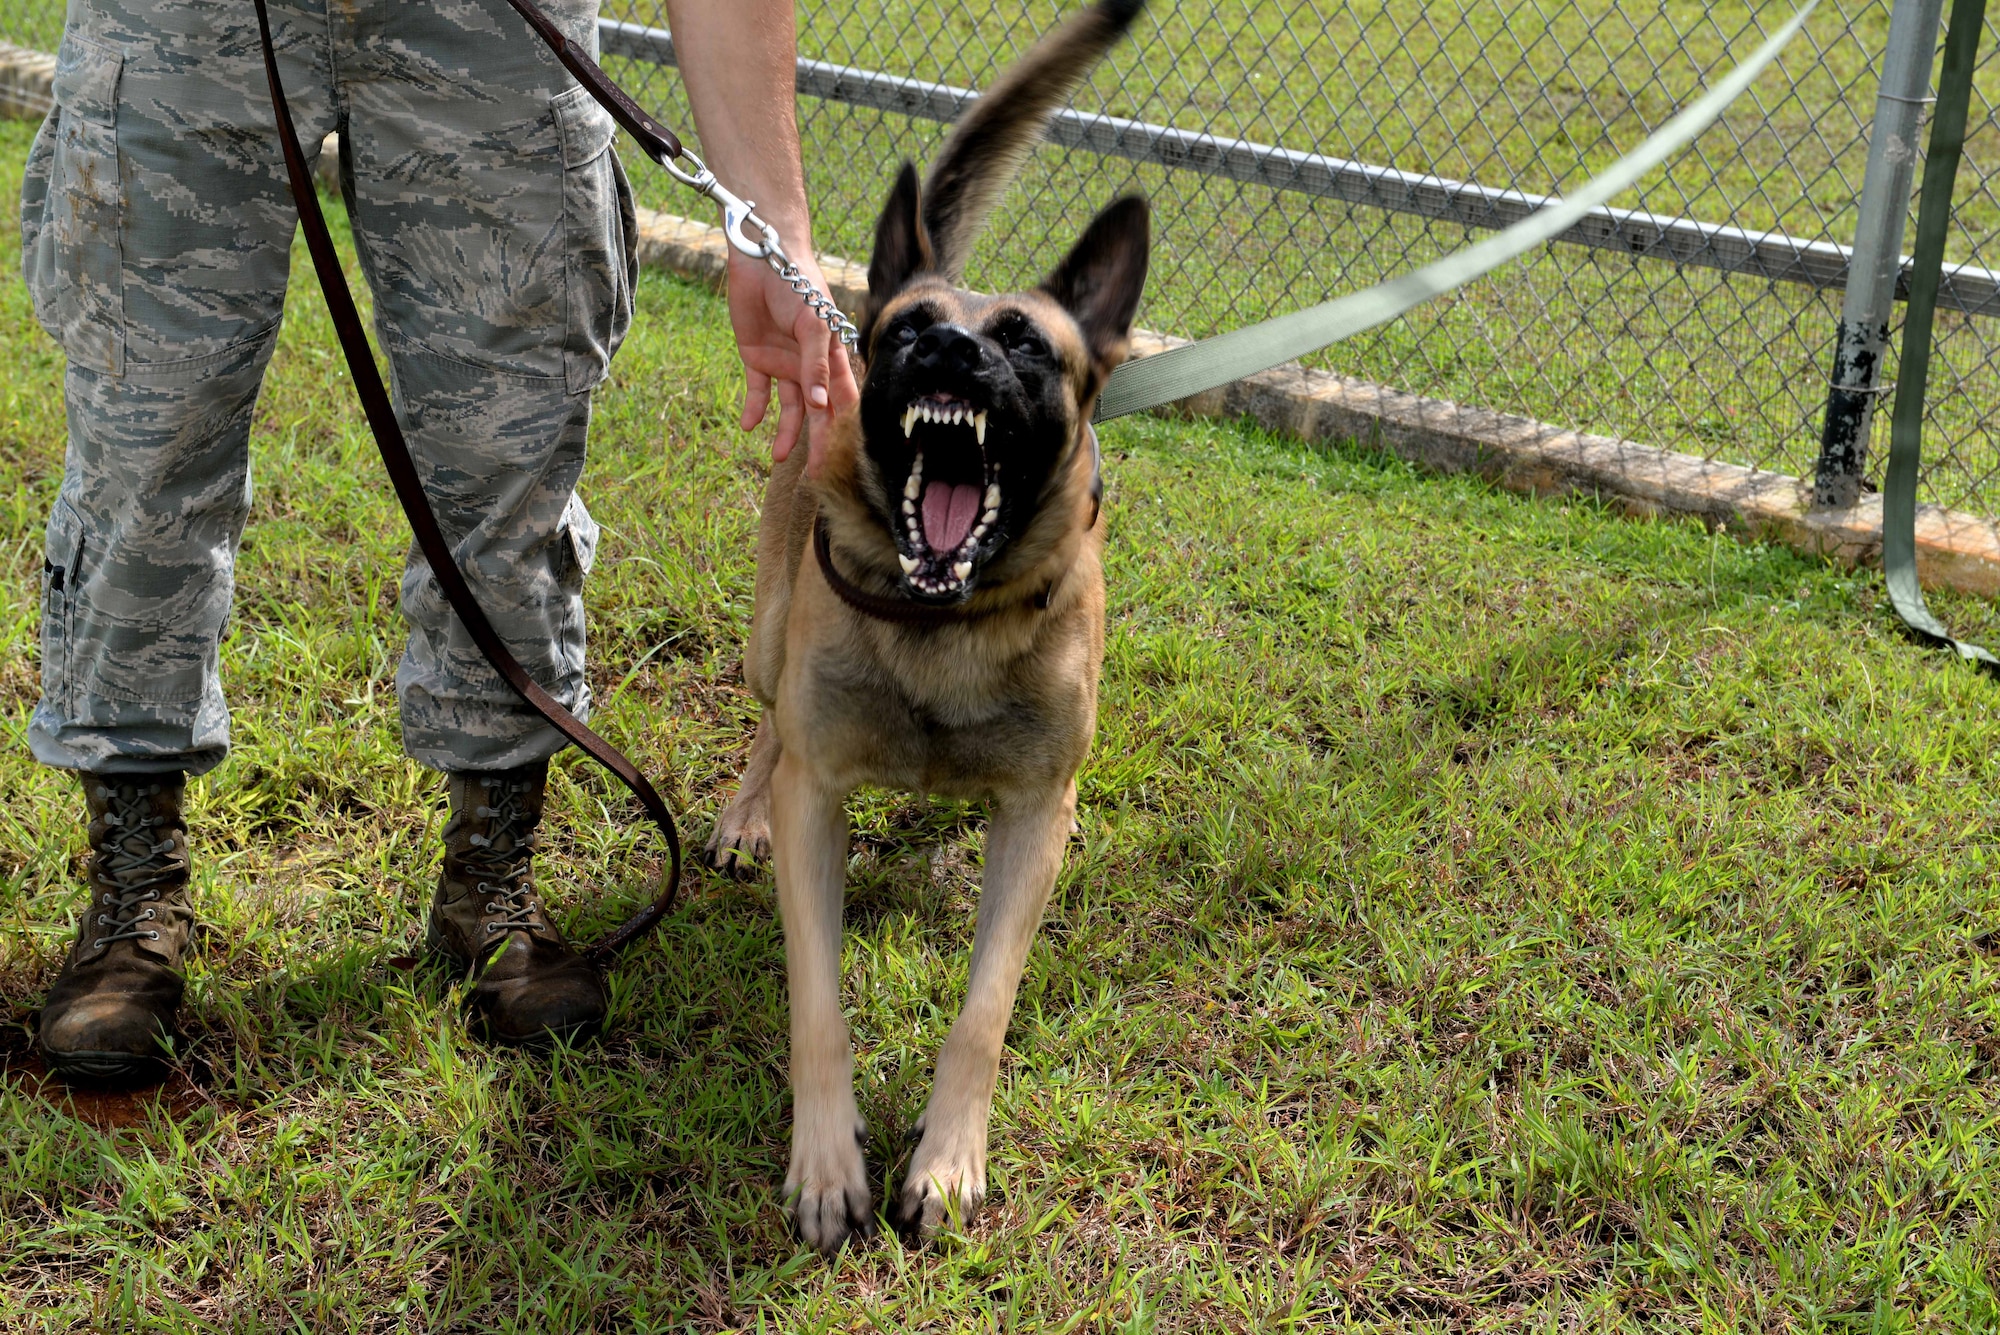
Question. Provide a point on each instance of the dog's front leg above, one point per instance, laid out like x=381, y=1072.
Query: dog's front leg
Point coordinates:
x=1024, y=847
x=826, y=1187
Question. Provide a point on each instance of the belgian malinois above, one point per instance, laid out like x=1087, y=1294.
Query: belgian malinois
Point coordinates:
x=930, y=617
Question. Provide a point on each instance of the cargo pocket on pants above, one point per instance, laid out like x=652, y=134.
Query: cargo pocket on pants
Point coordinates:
x=64, y=549
x=75, y=258
x=600, y=226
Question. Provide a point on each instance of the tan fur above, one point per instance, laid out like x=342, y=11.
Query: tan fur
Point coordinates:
x=1001, y=708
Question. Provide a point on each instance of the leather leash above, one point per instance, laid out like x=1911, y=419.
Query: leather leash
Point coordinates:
x=431, y=541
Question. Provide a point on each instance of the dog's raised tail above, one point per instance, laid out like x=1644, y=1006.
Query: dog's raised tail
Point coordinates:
x=993, y=138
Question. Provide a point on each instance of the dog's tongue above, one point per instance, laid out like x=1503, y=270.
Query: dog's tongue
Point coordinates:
x=948, y=514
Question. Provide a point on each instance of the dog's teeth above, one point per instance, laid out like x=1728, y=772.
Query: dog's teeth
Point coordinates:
x=909, y=506
x=978, y=532
x=993, y=497
x=909, y=420
x=979, y=427
x=909, y=563
x=913, y=487
x=988, y=518
x=962, y=571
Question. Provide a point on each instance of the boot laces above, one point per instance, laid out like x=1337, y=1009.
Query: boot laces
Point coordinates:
x=507, y=876
x=132, y=866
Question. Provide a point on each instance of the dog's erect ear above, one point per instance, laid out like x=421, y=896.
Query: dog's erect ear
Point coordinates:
x=902, y=248
x=1100, y=280
x=993, y=138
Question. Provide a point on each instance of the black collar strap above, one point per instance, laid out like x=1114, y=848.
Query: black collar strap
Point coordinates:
x=900, y=611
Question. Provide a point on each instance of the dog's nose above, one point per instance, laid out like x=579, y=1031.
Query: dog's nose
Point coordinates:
x=947, y=347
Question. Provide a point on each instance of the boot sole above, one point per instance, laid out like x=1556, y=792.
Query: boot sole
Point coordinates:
x=106, y=1068
x=584, y=1032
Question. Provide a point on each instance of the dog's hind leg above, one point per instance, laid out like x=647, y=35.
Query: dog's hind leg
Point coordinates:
x=742, y=838
x=826, y=1187
x=1024, y=848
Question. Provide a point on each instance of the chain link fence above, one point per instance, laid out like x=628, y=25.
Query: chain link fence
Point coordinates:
x=1697, y=352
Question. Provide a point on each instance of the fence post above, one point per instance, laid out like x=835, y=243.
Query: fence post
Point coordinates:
x=1878, y=251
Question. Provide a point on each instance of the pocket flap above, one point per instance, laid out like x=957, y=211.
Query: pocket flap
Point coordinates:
x=86, y=82
x=587, y=129
x=65, y=536
x=581, y=530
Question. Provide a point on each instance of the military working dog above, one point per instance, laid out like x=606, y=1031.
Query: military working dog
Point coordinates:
x=930, y=617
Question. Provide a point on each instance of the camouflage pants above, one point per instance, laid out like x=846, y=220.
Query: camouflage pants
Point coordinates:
x=494, y=224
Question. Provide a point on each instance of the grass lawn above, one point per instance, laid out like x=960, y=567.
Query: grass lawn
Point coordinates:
x=1489, y=914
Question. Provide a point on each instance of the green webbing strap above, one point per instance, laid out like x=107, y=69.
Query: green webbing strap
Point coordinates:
x=1164, y=377
x=1906, y=428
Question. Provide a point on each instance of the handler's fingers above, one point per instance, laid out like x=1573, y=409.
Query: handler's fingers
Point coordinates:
x=756, y=396
x=814, y=341
x=791, y=416
x=845, y=392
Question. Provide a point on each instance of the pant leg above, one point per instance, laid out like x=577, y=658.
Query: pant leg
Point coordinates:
x=496, y=227
x=156, y=230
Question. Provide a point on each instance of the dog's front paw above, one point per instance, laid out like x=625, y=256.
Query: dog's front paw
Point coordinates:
x=826, y=1188
x=947, y=1179
x=742, y=840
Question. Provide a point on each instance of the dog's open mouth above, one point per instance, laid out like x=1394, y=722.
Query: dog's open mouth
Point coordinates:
x=951, y=500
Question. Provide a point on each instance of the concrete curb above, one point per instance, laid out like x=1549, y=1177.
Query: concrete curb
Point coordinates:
x=1954, y=549
x=26, y=77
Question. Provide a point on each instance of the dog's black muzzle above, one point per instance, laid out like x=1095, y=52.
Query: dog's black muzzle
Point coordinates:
x=948, y=352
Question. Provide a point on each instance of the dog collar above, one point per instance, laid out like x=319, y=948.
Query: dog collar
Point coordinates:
x=901, y=611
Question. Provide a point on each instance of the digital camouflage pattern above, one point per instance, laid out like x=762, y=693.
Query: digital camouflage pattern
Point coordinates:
x=495, y=226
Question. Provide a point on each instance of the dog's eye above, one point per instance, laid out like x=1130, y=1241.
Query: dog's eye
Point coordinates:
x=1024, y=342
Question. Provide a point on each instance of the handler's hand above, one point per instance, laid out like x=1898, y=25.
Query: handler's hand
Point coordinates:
x=782, y=342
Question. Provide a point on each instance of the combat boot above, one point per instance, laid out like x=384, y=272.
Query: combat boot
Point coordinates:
x=110, y=1013
x=528, y=985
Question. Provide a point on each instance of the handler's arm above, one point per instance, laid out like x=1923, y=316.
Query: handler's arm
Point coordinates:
x=737, y=59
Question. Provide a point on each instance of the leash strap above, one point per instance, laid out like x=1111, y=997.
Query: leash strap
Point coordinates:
x=1167, y=376
x=431, y=541
x=746, y=231
x=660, y=143
x=1906, y=429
